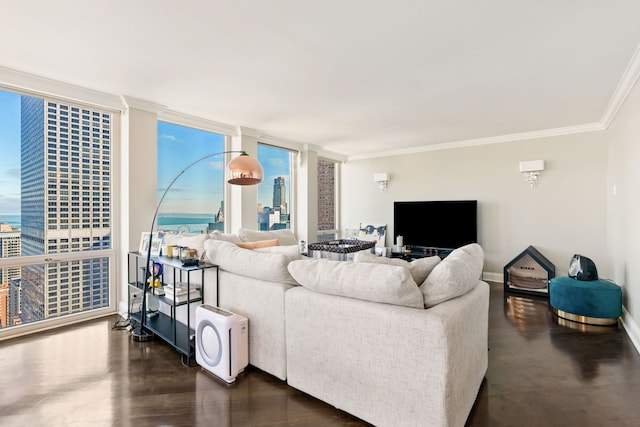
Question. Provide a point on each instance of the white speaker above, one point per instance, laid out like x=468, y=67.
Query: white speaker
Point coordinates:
x=222, y=342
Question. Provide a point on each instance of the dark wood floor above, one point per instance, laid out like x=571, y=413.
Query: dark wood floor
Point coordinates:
x=541, y=373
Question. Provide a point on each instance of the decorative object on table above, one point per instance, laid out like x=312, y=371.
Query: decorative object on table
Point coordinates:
x=156, y=243
x=399, y=247
x=181, y=292
x=582, y=268
x=155, y=283
x=169, y=251
x=529, y=273
x=350, y=233
x=242, y=170
x=188, y=256
x=338, y=250
x=373, y=233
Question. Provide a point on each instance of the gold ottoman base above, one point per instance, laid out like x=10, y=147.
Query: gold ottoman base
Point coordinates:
x=586, y=319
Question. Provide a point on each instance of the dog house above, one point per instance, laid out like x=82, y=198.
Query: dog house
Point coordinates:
x=529, y=273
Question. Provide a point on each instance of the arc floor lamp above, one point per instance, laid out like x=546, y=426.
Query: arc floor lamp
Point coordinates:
x=242, y=170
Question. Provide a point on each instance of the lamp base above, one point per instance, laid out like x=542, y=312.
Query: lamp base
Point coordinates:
x=141, y=335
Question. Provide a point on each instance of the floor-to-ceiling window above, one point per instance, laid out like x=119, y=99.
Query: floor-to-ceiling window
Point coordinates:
x=195, y=203
x=55, y=208
x=274, y=193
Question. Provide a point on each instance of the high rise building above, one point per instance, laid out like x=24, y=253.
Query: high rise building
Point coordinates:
x=10, y=244
x=4, y=305
x=66, y=206
x=326, y=195
x=279, y=195
x=14, y=309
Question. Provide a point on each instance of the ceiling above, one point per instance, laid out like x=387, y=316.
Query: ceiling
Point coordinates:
x=354, y=77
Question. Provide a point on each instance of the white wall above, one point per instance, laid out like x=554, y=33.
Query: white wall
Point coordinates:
x=623, y=223
x=564, y=214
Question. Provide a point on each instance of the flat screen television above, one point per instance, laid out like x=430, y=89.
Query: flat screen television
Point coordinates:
x=446, y=224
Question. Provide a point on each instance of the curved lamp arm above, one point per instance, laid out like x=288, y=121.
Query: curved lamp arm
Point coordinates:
x=243, y=170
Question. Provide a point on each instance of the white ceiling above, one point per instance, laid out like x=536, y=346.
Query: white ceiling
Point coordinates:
x=355, y=77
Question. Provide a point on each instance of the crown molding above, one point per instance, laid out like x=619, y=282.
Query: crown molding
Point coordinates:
x=36, y=85
x=330, y=155
x=281, y=142
x=590, y=127
x=243, y=130
x=628, y=80
x=142, y=104
x=196, y=122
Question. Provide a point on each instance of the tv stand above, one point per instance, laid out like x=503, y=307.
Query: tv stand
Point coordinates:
x=415, y=252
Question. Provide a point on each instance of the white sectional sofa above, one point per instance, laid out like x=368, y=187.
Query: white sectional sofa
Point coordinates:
x=357, y=334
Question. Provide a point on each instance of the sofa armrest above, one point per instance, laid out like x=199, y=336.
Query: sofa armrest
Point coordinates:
x=389, y=365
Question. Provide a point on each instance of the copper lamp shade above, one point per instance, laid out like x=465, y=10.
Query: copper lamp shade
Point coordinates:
x=244, y=170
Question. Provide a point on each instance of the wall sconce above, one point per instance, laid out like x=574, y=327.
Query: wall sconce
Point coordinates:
x=382, y=179
x=531, y=170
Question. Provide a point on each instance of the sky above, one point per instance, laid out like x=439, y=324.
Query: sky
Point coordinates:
x=198, y=190
x=9, y=153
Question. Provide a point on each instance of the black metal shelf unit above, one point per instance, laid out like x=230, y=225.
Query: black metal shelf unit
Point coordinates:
x=163, y=322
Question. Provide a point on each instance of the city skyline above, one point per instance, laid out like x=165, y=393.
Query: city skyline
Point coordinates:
x=183, y=145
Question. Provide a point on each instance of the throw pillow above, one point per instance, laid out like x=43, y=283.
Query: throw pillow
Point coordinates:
x=455, y=275
x=233, y=238
x=419, y=268
x=244, y=262
x=285, y=237
x=258, y=244
x=382, y=283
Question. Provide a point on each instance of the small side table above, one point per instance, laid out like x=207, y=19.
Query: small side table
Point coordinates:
x=595, y=302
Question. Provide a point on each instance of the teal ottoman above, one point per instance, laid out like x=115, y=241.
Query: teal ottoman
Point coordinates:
x=596, y=302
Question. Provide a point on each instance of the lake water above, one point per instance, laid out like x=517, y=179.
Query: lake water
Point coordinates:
x=192, y=223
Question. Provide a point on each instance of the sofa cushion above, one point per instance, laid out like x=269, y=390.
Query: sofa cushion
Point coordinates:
x=455, y=275
x=271, y=267
x=258, y=244
x=193, y=241
x=383, y=283
x=290, y=251
x=419, y=268
x=216, y=235
x=285, y=237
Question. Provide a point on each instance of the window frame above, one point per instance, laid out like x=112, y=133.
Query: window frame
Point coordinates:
x=88, y=100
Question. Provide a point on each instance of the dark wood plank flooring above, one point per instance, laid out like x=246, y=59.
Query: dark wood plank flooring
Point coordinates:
x=541, y=373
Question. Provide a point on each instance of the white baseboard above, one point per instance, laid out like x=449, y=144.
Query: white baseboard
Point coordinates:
x=123, y=310
x=631, y=328
x=492, y=277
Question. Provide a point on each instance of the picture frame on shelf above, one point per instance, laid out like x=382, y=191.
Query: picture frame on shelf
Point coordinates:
x=155, y=239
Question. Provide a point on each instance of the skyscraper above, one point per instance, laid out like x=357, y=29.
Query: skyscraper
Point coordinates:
x=279, y=195
x=9, y=247
x=66, y=199
x=326, y=195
